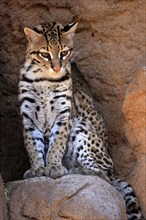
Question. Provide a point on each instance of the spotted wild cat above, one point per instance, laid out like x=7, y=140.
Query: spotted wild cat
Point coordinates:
x=59, y=118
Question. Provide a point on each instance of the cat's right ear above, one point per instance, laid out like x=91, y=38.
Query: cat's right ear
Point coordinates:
x=69, y=30
x=31, y=35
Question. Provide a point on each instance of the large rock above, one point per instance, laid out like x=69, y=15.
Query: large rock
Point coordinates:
x=73, y=197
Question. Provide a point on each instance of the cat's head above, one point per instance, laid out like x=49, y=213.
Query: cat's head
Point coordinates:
x=51, y=45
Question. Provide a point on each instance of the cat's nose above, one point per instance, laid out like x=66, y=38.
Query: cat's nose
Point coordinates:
x=56, y=68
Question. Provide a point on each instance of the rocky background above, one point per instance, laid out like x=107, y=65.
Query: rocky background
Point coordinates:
x=110, y=46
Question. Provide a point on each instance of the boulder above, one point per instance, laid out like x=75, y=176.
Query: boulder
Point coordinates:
x=75, y=197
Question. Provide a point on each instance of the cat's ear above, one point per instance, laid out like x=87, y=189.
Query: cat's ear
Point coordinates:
x=69, y=30
x=31, y=35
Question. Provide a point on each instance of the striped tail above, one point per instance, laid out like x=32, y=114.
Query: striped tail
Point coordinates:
x=133, y=210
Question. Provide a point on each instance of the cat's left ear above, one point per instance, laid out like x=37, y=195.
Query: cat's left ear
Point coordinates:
x=69, y=30
x=31, y=35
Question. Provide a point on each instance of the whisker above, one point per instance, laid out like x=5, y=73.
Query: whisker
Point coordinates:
x=75, y=54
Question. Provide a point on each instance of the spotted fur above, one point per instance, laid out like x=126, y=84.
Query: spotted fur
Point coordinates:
x=59, y=119
x=45, y=93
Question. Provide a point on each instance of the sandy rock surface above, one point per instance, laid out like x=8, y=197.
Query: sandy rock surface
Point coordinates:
x=73, y=197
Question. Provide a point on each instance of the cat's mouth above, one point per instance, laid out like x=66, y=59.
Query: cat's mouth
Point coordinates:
x=55, y=72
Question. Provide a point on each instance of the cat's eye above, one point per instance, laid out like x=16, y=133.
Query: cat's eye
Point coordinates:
x=64, y=53
x=45, y=55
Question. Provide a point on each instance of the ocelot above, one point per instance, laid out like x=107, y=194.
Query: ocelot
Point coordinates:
x=59, y=118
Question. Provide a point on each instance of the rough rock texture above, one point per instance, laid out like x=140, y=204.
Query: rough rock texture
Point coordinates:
x=110, y=42
x=134, y=109
x=73, y=197
x=3, y=207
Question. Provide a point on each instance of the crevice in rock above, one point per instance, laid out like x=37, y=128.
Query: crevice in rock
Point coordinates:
x=68, y=198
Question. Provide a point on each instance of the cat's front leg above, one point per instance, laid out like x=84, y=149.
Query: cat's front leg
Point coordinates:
x=34, y=143
x=57, y=147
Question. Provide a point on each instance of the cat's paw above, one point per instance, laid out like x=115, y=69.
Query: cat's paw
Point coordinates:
x=34, y=173
x=55, y=171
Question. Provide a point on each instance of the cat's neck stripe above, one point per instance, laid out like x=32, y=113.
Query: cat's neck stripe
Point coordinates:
x=63, y=78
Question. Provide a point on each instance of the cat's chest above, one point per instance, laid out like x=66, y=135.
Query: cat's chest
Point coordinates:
x=51, y=99
x=44, y=91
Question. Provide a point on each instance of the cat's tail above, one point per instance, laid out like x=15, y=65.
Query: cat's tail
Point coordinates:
x=133, y=210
